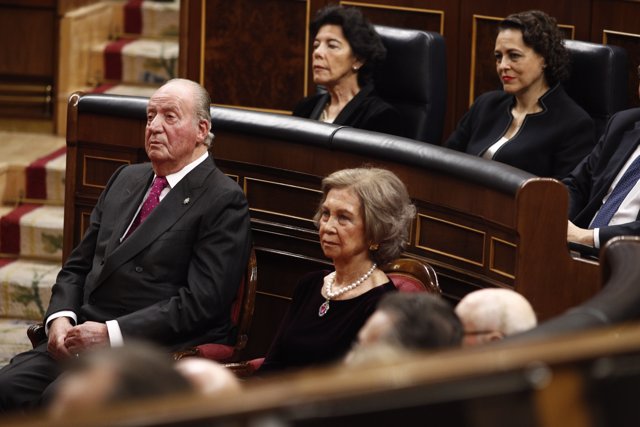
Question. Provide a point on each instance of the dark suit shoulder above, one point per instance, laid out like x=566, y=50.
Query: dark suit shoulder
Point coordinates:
x=626, y=118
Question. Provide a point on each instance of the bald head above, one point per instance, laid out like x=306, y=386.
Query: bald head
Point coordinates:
x=208, y=377
x=491, y=314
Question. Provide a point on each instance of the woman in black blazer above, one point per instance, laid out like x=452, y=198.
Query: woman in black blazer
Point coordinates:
x=346, y=49
x=532, y=123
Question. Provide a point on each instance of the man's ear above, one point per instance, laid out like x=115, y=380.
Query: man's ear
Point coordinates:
x=203, y=130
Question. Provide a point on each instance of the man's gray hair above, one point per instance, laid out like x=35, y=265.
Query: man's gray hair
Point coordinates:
x=201, y=104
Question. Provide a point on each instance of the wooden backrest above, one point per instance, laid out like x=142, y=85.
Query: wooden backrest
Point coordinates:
x=244, y=304
x=479, y=223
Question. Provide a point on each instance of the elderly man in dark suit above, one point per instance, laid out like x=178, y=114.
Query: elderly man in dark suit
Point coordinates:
x=162, y=258
x=604, y=188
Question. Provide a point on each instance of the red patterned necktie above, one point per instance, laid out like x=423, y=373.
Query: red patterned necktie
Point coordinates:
x=152, y=200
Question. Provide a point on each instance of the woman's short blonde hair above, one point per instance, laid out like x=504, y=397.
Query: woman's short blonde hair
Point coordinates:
x=386, y=208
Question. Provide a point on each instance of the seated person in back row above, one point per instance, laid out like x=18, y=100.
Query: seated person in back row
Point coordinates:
x=604, y=192
x=161, y=260
x=363, y=222
x=532, y=123
x=346, y=49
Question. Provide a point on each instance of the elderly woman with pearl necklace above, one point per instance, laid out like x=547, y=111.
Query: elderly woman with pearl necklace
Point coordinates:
x=363, y=222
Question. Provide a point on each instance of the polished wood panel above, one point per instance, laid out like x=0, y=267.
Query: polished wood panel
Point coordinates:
x=616, y=23
x=466, y=25
x=27, y=58
x=255, y=51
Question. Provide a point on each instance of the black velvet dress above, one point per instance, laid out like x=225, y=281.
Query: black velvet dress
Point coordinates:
x=365, y=111
x=306, y=339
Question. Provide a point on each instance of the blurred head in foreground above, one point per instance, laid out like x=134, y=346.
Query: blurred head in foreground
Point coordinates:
x=492, y=314
x=408, y=322
x=114, y=375
x=208, y=377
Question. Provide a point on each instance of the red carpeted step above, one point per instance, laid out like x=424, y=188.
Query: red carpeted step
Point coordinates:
x=10, y=229
x=133, y=17
x=113, y=59
x=37, y=175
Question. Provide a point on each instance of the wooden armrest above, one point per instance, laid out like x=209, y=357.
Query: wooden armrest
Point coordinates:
x=189, y=352
x=36, y=334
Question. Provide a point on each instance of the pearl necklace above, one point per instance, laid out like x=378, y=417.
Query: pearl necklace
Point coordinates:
x=324, y=307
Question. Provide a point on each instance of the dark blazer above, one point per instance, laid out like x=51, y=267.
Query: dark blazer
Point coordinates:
x=590, y=181
x=365, y=111
x=172, y=281
x=549, y=143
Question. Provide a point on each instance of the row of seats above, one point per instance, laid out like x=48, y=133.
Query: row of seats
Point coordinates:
x=413, y=79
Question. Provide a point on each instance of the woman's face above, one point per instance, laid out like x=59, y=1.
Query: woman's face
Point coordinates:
x=341, y=224
x=519, y=67
x=332, y=59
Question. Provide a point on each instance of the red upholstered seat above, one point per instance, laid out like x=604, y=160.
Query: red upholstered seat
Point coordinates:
x=241, y=316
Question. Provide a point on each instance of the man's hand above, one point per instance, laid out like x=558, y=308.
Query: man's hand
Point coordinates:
x=57, y=333
x=85, y=336
x=579, y=235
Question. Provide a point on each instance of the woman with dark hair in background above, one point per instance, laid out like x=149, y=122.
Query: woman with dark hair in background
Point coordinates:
x=346, y=49
x=532, y=123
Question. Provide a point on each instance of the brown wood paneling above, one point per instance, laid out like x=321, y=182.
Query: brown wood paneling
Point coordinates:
x=27, y=58
x=615, y=22
x=255, y=52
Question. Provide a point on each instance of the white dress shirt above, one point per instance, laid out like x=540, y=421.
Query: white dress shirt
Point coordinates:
x=113, y=328
x=491, y=151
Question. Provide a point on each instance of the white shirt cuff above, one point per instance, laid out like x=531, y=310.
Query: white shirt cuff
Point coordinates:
x=596, y=238
x=115, y=334
x=64, y=313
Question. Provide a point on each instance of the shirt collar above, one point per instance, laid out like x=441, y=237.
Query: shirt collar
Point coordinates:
x=174, y=178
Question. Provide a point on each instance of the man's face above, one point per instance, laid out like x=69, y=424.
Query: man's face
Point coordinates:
x=173, y=131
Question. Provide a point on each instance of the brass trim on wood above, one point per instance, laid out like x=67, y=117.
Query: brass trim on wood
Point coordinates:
x=474, y=44
x=401, y=8
x=305, y=79
x=263, y=110
x=492, y=256
x=269, y=294
x=203, y=26
x=280, y=184
x=617, y=33
x=447, y=254
x=84, y=218
x=84, y=168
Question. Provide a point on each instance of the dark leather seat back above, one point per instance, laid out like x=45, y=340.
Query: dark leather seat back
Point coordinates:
x=413, y=79
x=598, y=81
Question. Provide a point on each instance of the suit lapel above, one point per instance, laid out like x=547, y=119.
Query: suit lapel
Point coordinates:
x=628, y=144
x=175, y=204
x=131, y=198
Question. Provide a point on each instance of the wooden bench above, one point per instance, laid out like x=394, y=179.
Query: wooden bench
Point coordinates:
x=479, y=224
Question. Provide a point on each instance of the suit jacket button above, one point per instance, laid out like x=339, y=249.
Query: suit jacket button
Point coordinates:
x=101, y=262
x=138, y=269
